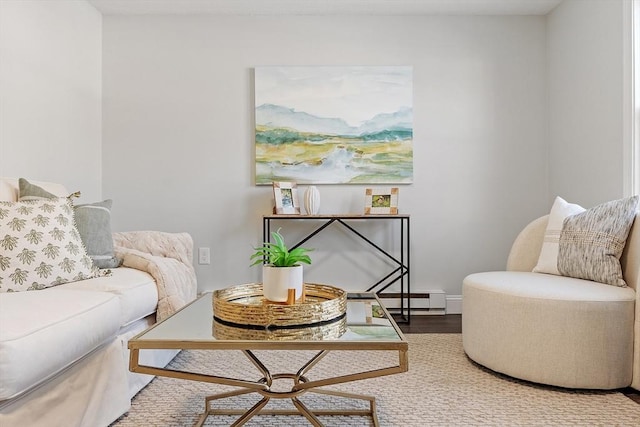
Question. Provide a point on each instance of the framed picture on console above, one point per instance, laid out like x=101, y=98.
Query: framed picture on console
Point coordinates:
x=381, y=201
x=285, y=195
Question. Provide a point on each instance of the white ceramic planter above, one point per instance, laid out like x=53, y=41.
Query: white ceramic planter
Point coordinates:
x=277, y=281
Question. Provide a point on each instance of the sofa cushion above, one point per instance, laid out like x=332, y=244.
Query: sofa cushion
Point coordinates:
x=548, y=258
x=592, y=242
x=94, y=225
x=587, y=244
x=93, y=221
x=10, y=192
x=44, y=332
x=40, y=245
x=29, y=191
x=136, y=290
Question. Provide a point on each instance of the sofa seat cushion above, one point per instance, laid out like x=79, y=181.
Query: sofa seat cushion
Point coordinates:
x=136, y=290
x=43, y=332
x=548, y=286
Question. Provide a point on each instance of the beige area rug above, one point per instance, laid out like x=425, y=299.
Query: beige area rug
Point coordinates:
x=442, y=388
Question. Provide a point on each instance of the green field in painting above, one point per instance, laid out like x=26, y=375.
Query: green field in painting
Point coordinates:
x=287, y=154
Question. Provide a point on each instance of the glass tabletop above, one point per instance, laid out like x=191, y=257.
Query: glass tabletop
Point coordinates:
x=367, y=324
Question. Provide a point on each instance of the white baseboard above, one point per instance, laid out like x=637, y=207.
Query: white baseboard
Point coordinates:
x=454, y=304
x=432, y=302
x=428, y=303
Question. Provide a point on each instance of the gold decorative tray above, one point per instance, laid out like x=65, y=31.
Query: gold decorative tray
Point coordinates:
x=245, y=306
x=326, y=331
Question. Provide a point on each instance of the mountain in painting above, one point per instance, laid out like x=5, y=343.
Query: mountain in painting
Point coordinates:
x=401, y=120
x=276, y=116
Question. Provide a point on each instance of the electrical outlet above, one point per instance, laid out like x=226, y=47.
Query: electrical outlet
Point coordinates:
x=204, y=256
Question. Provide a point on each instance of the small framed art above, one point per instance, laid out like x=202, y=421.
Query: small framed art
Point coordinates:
x=286, y=197
x=381, y=201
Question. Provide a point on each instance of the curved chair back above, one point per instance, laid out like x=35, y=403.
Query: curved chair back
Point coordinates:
x=630, y=259
x=527, y=245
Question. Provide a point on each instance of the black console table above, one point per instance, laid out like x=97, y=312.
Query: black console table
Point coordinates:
x=399, y=273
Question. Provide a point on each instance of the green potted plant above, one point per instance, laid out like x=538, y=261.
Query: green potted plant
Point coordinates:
x=283, y=268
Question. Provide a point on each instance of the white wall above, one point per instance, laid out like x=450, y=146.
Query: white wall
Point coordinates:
x=50, y=93
x=178, y=135
x=489, y=92
x=584, y=45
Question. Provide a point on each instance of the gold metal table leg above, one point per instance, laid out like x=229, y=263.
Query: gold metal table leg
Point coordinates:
x=371, y=412
x=307, y=413
x=255, y=409
x=302, y=409
x=301, y=386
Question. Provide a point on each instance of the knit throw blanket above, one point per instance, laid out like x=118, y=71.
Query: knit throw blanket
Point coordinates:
x=168, y=258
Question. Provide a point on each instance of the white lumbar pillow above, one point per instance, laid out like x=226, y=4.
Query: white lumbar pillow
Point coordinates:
x=548, y=260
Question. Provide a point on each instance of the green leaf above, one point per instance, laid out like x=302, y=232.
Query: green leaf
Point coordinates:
x=278, y=255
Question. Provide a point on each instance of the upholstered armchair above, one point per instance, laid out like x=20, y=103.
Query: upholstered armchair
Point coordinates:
x=552, y=329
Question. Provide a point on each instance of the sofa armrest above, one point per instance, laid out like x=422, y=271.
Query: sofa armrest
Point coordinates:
x=525, y=250
x=158, y=243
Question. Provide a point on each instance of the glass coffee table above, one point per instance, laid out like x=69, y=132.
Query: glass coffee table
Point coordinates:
x=366, y=326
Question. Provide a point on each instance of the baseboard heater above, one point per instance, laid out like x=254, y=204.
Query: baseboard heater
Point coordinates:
x=422, y=303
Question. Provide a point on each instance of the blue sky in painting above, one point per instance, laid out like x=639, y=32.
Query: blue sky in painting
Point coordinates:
x=354, y=94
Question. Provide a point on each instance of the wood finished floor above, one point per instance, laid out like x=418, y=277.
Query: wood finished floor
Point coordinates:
x=437, y=324
x=452, y=324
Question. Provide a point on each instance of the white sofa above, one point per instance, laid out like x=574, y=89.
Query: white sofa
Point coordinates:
x=552, y=329
x=63, y=350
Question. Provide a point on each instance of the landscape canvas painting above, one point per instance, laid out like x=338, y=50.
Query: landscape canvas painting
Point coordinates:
x=334, y=125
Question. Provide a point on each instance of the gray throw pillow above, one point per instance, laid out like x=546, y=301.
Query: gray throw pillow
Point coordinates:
x=592, y=242
x=29, y=191
x=93, y=221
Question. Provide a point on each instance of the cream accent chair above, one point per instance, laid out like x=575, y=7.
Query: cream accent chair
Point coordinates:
x=555, y=330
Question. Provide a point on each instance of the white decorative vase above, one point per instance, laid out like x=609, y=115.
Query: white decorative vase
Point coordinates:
x=276, y=282
x=312, y=200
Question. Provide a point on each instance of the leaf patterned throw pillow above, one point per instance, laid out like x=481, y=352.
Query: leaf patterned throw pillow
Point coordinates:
x=40, y=245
